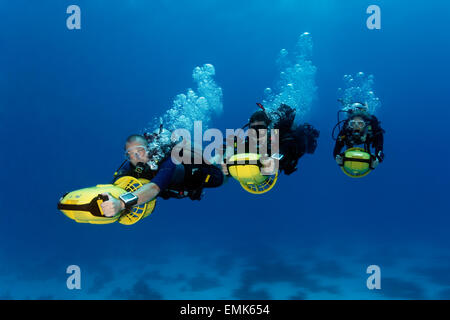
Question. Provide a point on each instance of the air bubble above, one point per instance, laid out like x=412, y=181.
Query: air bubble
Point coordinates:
x=296, y=84
x=359, y=89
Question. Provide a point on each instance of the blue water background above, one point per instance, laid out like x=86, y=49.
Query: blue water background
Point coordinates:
x=68, y=99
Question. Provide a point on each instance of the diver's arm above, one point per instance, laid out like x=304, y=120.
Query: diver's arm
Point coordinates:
x=338, y=147
x=378, y=145
x=340, y=143
x=145, y=194
x=160, y=182
x=378, y=139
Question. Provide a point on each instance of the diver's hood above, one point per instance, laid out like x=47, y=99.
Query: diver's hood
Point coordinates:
x=357, y=109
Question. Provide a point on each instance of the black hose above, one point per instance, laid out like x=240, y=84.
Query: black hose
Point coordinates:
x=334, y=129
x=339, y=121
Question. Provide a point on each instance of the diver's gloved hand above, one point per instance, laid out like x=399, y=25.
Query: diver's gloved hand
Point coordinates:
x=224, y=169
x=111, y=207
x=374, y=163
x=269, y=167
x=340, y=160
x=380, y=156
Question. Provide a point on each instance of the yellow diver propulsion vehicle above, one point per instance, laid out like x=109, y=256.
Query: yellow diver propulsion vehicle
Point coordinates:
x=84, y=205
x=246, y=168
x=357, y=163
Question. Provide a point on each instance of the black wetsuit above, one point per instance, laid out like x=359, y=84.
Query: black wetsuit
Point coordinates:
x=177, y=181
x=372, y=136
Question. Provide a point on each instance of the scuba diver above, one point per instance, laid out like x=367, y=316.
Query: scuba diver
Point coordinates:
x=360, y=128
x=168, y=180
x=294, y=141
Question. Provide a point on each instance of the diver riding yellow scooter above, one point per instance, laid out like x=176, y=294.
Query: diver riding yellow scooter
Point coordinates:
x=84, y=205
x=360, y=128
x=288, y=143
x=246, y=167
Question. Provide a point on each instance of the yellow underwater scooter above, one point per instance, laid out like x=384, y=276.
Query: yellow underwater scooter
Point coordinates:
x=84, y=205
x=356, y=163
x=246, y=168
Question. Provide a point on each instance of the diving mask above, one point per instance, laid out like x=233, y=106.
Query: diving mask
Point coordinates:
x=260, y=130
x=357, y=124
x=136, y=152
